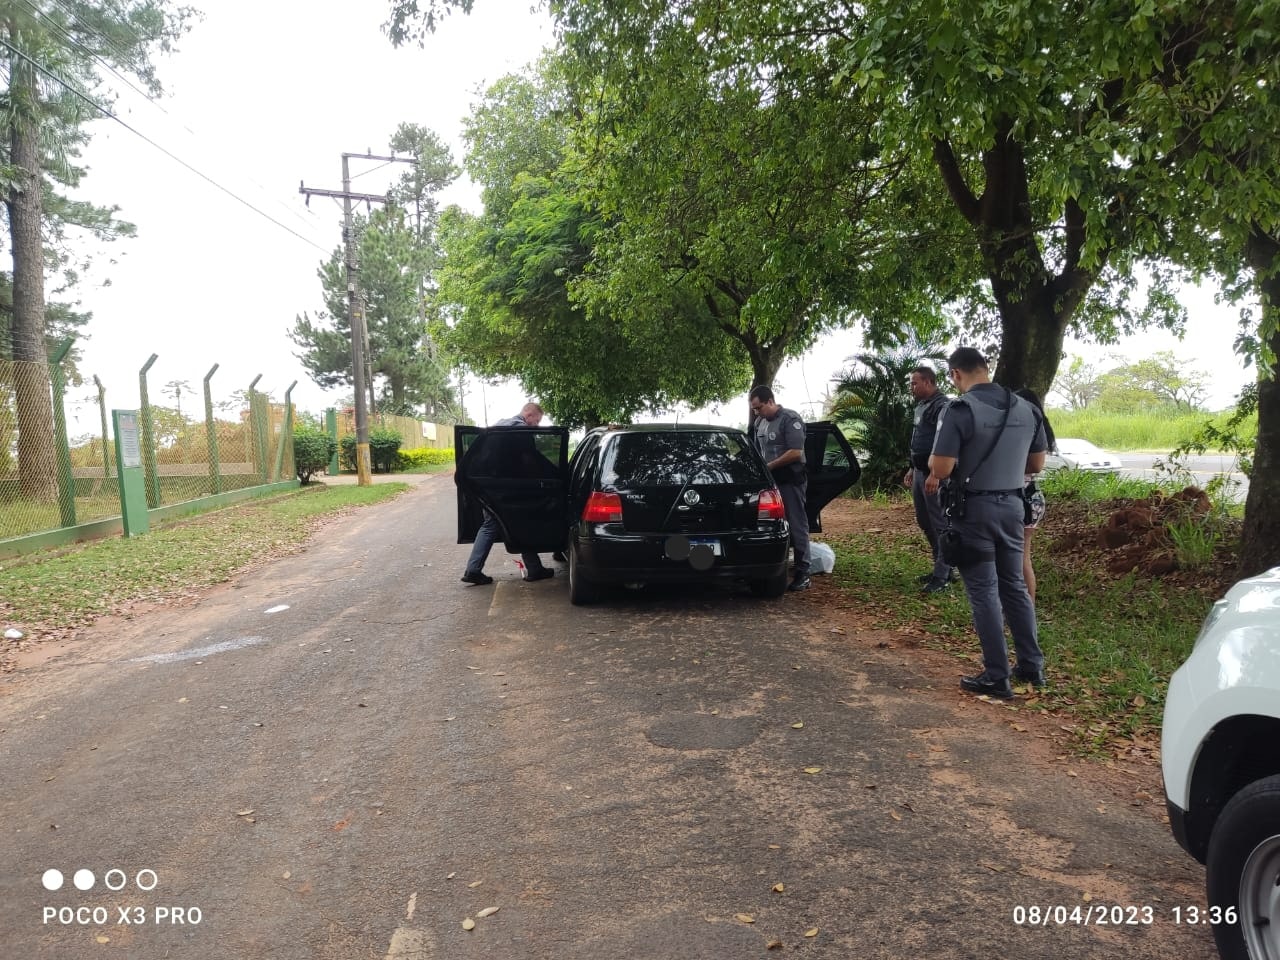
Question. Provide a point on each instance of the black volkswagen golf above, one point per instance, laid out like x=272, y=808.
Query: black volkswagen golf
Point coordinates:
x=645, y=503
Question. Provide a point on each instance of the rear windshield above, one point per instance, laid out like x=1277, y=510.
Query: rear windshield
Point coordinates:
x=660, y=459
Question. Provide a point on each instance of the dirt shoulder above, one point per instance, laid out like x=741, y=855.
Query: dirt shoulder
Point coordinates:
x=1131, y=772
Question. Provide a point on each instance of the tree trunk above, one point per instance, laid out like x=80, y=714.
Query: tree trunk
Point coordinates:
x=1035, y=306
x=1032, y=329
x=37, y=465
x=766, y=360
x=1260, y=541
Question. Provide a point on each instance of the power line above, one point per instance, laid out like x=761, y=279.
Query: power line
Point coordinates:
x=357, y=176
x=120, y=51
x=124, y=57
x=168, y=153
x=66, y=33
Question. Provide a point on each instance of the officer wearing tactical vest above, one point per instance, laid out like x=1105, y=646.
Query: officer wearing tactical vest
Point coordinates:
x=780, y=439
x=988, y=440
x=929, y=403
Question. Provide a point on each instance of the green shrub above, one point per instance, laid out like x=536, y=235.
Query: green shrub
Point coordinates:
x=1195, y=541
x=384, y=449
x=347, y=452
x=312, y=450
x=425, y=456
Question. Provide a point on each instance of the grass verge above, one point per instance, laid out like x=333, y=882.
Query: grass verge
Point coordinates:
x=51, y=592
x=1111, y=643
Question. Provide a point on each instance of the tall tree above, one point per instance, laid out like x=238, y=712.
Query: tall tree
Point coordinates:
x=736, y=176
x=54, y=60
x=992, y=96
x=1199, y=128
x=1160, y=380
x=508, y=274
x=1079, y=384
x=398, y=252
x=1002, y=95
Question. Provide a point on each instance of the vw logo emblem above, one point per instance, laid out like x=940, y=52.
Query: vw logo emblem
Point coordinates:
x=691, y=497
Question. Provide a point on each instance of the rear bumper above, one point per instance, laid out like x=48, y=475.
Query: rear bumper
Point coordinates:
x=636, y=558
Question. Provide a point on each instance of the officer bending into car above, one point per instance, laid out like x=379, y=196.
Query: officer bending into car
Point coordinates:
x=988, y=439
x=779, y=435
x=490, y=531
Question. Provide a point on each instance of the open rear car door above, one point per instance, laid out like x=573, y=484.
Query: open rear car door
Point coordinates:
x=832, y=466
x=518, y=473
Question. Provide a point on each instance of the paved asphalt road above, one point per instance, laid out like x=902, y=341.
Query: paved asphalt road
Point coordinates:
x=390, y=752
x=1202, y=470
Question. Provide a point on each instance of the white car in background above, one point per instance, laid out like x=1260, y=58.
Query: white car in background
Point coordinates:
x=1076, y=454
x=1220, y=756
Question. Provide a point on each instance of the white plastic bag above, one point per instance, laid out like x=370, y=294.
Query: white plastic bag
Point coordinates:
x=822, y=559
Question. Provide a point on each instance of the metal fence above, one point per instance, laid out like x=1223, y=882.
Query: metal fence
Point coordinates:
x=57, y=451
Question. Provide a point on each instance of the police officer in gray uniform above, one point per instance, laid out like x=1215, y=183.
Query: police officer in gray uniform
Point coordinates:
x=987, y=440
x=929, y=403
x=780, y=439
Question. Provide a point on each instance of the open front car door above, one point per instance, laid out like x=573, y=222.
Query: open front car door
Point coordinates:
x=832, y=466
x=518, y=473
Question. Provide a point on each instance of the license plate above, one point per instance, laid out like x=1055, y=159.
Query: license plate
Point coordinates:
x=712, y=542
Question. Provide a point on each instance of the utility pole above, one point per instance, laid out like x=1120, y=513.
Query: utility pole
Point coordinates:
x=355, y=303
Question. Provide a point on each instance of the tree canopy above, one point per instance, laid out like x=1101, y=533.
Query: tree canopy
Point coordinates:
x=1082, y=148
x=55, y=61
x=398, y=252
x=505, y=295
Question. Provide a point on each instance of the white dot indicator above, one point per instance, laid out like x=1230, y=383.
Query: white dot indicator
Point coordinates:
x=115, y=886
x=84, y=879
x=143, y=886
x=52, y=880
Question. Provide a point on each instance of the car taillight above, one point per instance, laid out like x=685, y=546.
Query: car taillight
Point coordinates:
x=602, y=508
x=771, y=507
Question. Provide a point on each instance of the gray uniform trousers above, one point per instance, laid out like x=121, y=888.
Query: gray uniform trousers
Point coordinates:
x=793, y=498
x=931, y=521
x=991, y=532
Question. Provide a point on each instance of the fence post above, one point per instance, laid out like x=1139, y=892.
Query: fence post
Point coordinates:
x=102, y=409
x=66, y=479
x=148, y=437
x=286, y=432
x=251, y=425
x=331, y=424
x=211, y=434
x=258, y=428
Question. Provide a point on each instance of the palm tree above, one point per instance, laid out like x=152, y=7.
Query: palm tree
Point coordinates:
x=874, y=407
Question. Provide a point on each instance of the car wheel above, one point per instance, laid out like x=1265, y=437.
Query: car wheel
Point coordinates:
x=770, y=587
x=1243, y=877
x=581, y=592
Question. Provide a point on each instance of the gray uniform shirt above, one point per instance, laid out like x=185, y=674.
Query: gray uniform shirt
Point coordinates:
x=775, y=437
x=970, y=425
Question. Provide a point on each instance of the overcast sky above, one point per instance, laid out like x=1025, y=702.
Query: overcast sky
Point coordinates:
x=263, y=96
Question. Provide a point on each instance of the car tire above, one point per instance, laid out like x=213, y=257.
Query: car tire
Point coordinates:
x=1243, y=872
x=581, y=592
x=771, y=587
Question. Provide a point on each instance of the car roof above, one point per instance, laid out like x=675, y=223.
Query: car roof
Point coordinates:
x=666, y=428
